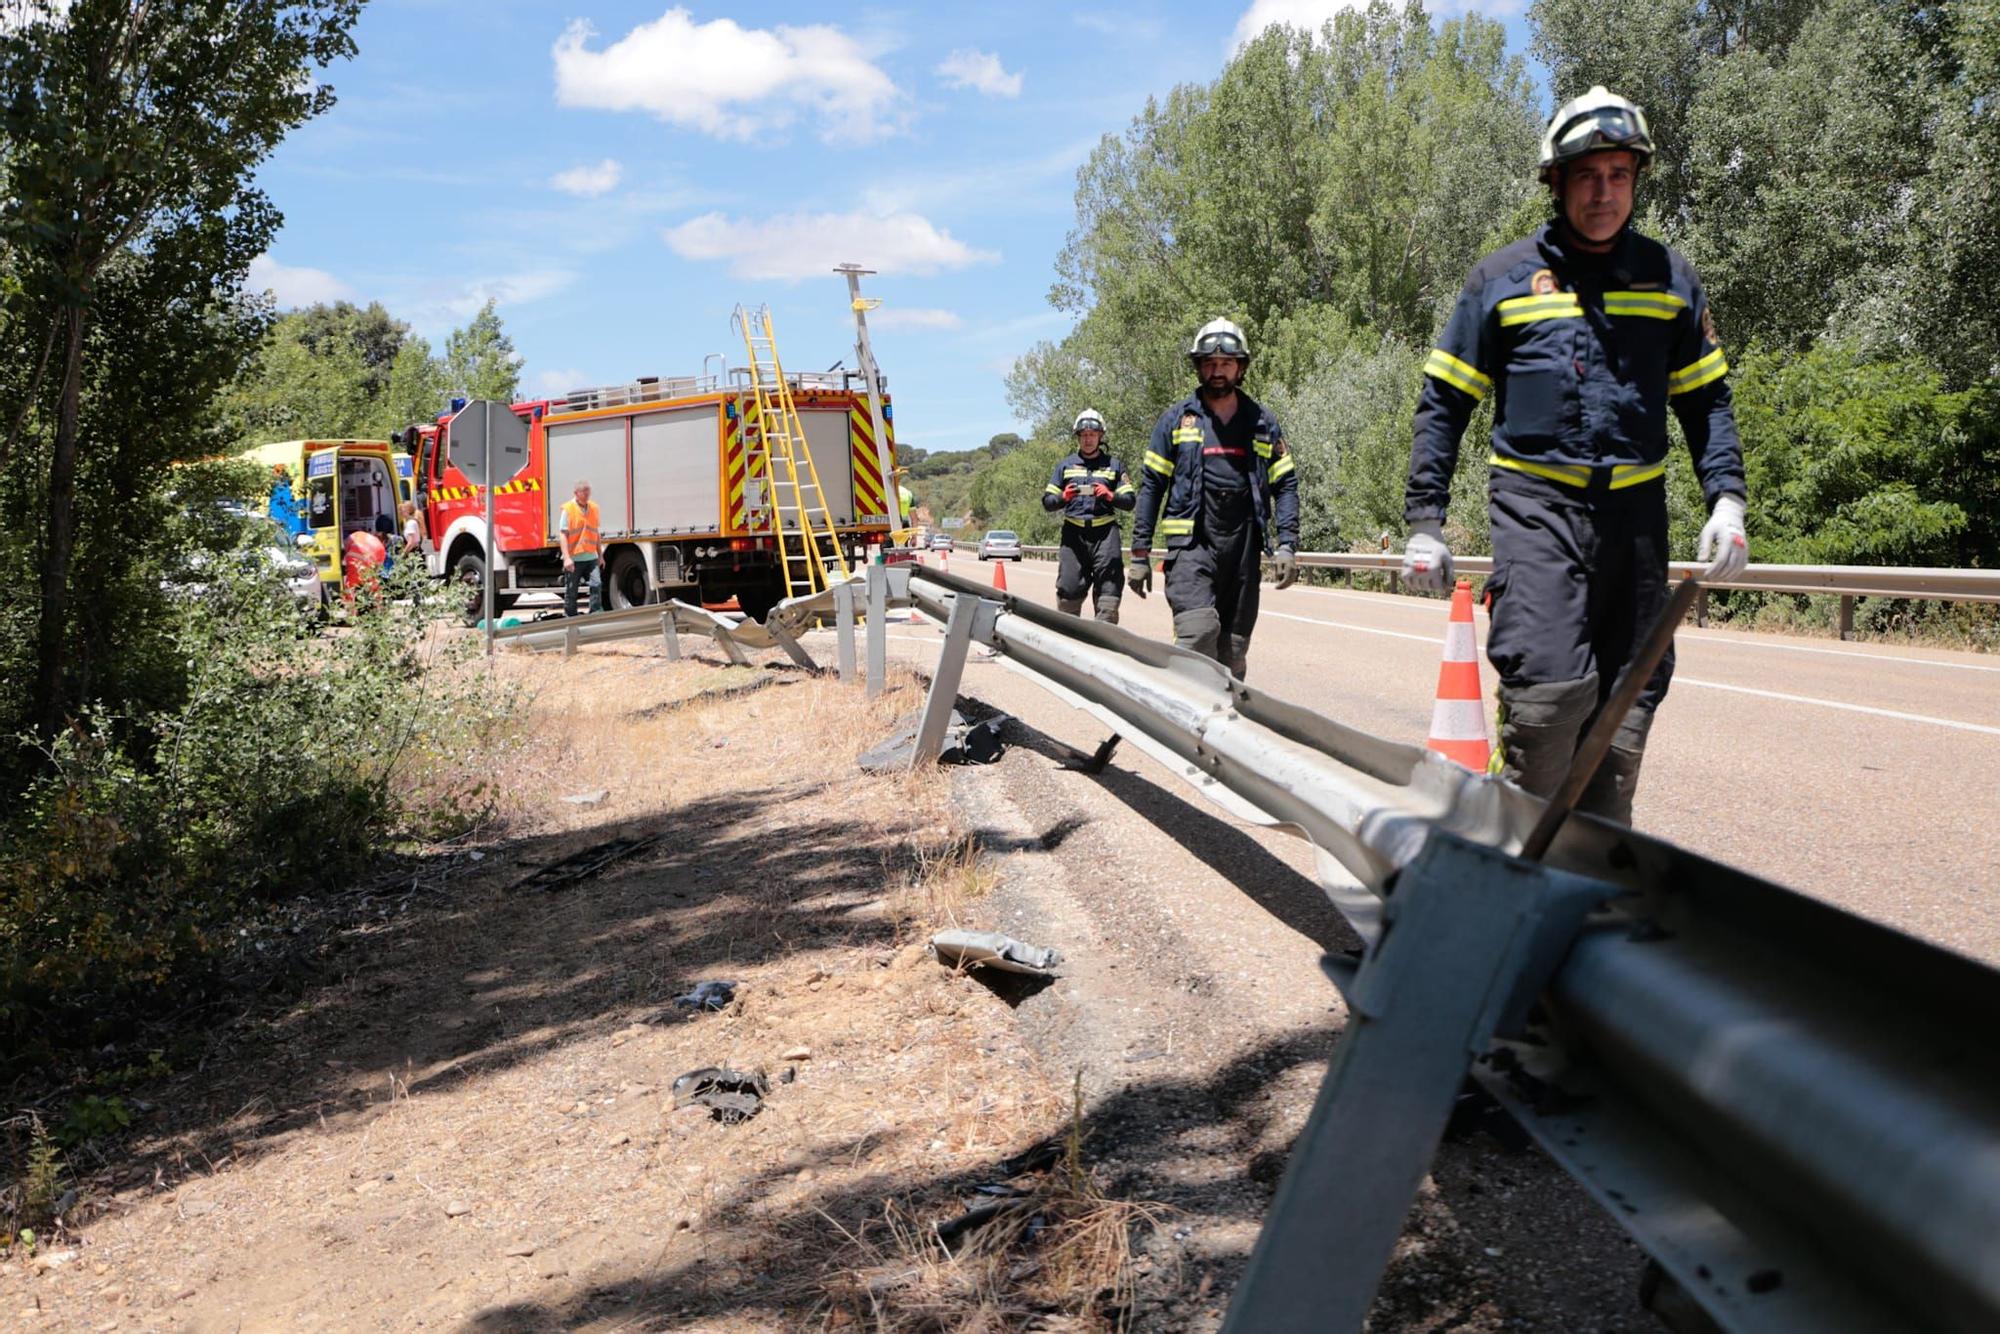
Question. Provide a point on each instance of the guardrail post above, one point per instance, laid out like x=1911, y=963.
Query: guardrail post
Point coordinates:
x=1475, y=933
x=731, y=647
x=843, y=627
x=1847, y=616
x=1395, y=581
x=569, y=641
x=670, y=635
x=878, y=629
x=1701, y=609
x=793, y=649
x=944, y=682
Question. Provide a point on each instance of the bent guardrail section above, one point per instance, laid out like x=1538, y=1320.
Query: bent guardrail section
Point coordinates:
x=1782, y=1102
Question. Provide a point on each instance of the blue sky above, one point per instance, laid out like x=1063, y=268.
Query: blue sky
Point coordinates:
x=618, y=176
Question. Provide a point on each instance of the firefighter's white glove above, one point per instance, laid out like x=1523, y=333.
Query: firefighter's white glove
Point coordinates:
x=1722, y=542
x=1426, y=559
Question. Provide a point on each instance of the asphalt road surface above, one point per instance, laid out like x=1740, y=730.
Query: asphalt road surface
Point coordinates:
x=1865, y=775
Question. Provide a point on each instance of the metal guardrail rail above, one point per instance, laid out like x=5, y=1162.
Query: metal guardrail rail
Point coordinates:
x=1794, y=1110
x=1847, y=582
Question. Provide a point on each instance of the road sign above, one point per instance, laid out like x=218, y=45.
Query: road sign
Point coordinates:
x=489, y=444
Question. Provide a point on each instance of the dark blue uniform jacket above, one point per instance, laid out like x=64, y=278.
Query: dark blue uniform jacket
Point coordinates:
x=1089, y=510
x=1173, y=473
x=1583, y=354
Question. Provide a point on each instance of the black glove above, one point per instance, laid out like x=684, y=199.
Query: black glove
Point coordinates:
x=1139, y=574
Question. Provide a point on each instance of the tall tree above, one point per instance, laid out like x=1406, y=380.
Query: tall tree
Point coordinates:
x=479, y=359
x=131, y=129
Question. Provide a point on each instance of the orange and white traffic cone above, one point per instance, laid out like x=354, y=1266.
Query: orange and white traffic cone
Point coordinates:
x=1000, y=575
x=1458, y=719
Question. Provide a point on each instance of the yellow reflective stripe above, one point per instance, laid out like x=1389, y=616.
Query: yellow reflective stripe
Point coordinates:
x=1105, y=473
x=1263, y=448
x=1562, y=309
x=1175, y=527
x=1651, y=305
x=1053, y=489
x=1569, y=474
x=1187, y=435
x=1281, y=468
x=1631, y=474
x=1706, y=371
x=1444, y=366
x=1091, y=523
x=1124, y=488
x=1160, y=463
x=1578, y=475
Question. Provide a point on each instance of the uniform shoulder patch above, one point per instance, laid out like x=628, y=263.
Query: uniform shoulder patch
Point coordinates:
x=1708, y=325
x=1543, y=283
x=1189, y=419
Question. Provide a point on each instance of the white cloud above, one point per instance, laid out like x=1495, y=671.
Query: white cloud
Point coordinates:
x=915, y=317
x=587, y=181
x=438, y=307
x=808, y=245
x=554, y=384
x=980, y=70
x=1306, y=14
x=292, y=287
x=728, y=80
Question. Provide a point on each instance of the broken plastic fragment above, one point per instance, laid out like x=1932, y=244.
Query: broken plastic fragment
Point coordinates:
x=708, y=996
x=730, y=1095
x=990, y=949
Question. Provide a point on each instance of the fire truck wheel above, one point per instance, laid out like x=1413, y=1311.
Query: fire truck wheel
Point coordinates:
x=625, y=584
x=757, y=602
x=469, y=573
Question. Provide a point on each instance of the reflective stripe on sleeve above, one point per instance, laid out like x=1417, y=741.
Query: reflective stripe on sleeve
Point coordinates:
x=1693, y=376
x=1282, y=468
x=1176, y=527
x=1159, y=463
x=1442, y=365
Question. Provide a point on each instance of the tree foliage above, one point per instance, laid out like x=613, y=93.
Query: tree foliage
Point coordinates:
x=479, y=359
x=130, y=133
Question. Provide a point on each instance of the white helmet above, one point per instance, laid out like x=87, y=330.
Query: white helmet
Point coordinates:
x=1219, y=338
x=1090, y=419
x=1591, y=124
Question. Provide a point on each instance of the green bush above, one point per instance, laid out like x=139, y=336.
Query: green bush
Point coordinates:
x=294, y=756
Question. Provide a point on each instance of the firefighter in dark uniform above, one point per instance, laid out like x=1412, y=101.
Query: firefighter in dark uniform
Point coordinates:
x=1219, y=463
x=1586, y=334
x=1090, y=487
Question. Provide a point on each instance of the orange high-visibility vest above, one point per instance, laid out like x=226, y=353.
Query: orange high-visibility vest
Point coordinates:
x=580, y=527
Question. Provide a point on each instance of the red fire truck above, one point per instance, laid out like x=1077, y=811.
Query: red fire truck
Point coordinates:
x=686, y=508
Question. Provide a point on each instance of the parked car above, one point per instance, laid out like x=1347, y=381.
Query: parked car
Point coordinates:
x=262, y=549
x=999, y=544
x=940, y=541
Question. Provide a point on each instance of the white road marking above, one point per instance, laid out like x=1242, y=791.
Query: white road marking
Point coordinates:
x=1437, y=639
x=1953, y=723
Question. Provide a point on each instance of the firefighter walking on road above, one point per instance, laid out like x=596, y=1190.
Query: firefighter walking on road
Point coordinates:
x=1217, y=479
x=1090, y=487
x=1585, y=333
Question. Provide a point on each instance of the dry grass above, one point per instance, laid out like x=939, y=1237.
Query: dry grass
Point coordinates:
x=1053, y=1252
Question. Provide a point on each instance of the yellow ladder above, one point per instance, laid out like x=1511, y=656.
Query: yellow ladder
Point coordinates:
x=807, y=543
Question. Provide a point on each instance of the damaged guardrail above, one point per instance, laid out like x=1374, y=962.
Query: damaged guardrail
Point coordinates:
x=1794, y=1110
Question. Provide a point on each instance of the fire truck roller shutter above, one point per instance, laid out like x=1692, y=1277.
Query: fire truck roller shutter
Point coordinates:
x=594, y=452
x=833, y=459
x=677, y=471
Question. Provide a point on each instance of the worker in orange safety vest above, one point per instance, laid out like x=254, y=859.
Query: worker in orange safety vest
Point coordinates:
x=582, y=543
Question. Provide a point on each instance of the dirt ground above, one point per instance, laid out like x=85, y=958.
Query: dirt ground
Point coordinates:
x=465, y=1119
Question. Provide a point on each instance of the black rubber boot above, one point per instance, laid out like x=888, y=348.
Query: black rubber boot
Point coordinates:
x=1107, y=610
x=1539, y=728
x=1070, y=606
x=1200, y=630
x=1239, y=656
x=1616, y=781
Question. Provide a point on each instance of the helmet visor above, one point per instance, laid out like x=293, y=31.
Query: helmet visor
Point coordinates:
x=1089, y=424
x=1220, y=344
x=1605, y=127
